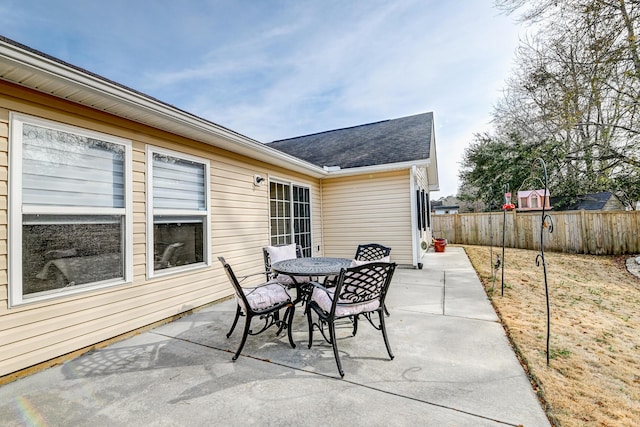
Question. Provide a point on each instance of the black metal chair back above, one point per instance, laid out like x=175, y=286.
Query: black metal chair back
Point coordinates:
x=356, y=291
x=372, y=252
x=237, y=288
x=362, y=284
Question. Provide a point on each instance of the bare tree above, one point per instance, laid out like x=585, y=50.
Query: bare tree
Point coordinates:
x=576, y=88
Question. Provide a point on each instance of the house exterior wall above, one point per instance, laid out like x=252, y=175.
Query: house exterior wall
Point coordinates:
x=374, y=208
x=35, y=332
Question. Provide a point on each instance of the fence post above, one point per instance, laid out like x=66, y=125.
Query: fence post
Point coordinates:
x=585, y=236
x=514, y=241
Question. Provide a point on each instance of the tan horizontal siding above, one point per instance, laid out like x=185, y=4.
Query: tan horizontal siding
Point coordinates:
x=368, y=209
x=94, y=331
x=4, y=149
x=32, y=335
x=65, y=308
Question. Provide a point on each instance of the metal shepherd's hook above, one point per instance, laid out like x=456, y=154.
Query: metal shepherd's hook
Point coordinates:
x=546, y=222
x=504, y=229
x=493, y=275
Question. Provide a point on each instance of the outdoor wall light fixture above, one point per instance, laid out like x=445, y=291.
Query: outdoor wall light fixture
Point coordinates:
x=257, y=180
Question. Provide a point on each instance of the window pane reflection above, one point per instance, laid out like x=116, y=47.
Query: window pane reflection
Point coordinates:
x=177, y=241
x=63, y=251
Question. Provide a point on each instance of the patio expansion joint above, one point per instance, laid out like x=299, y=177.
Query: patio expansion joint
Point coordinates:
x=443, y=299
x=444, y=291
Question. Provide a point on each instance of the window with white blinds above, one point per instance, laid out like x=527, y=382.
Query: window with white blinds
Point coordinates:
x=178, y=183
x=178, y=211
x=70, y=209
x=65, y=169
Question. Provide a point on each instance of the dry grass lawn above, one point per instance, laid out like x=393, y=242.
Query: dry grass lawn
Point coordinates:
x=593, y=378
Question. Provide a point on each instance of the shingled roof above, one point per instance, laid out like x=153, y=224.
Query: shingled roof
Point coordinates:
x=390, y=141
x=589, y=202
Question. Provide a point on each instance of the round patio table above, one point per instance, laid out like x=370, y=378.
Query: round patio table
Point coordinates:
x=309, y=267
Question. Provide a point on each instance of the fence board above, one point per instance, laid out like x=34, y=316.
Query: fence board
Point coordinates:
x=589, y=232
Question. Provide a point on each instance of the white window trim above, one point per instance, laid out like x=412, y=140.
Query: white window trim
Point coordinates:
x=151, y=272
x=291, y=184
x=16, y=121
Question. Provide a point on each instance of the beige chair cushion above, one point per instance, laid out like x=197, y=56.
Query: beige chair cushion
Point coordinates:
x=284, y=279
x=357, y=262
x=287, y=280
x=264, y=296
x=324, y=299
x=280, y=253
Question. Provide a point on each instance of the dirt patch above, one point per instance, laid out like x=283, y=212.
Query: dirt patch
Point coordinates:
x=593, y=378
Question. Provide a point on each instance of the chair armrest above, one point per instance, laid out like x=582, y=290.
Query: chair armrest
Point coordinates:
x=242, y=278
x=251, y=289
x=319, y=286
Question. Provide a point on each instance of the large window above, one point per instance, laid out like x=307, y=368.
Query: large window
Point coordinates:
x=290, y=215
x=178, y=211
x=70, y=207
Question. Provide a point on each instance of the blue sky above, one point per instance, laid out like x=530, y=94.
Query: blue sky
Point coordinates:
x=275, y=69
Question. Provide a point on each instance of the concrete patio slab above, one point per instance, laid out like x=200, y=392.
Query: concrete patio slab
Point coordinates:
x=453, y=366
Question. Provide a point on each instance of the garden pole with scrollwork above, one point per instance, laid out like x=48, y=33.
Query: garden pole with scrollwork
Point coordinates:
x=493, y=277
x=504, y=232
x=540, y=258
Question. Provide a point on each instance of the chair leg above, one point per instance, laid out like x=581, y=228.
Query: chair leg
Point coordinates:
x=384, y=334
x=245, y=333
x=354, y=320
x=288, y=318
x=310, y=323
x=306, y=298
x=276, y=316
x=235, y=321
x=334, y=342
x=386, y=311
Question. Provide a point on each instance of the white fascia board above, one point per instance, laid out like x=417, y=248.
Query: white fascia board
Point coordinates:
x=388, y=167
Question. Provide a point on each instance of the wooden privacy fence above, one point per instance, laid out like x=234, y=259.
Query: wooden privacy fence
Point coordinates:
x=586, y=232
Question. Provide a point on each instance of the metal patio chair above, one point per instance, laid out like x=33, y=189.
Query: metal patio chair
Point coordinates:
x=359, y=291
x=372, y=252
x=263, y=301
